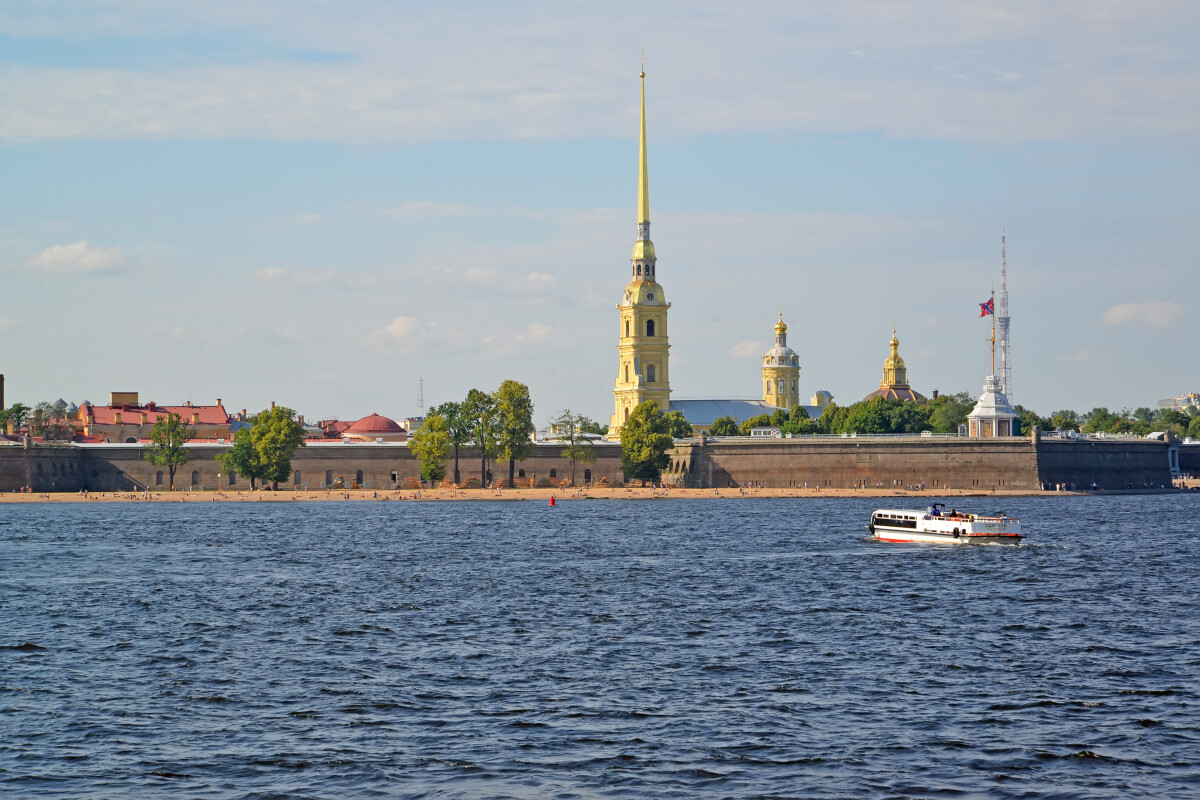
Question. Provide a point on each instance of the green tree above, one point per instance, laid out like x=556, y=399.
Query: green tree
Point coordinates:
x=1193, y=428
x=760, y=421
x=459, y=427
x=577, y=448
x=50, y=424
x=1066, y=419
x=431, y=445
x=480, y=410
x=723, y=426
x=1026, y=420
x=677, y=425
x=949, y=411
x=167, y=444
x=242, y=458
x=645, y=440
x=16, y=413
x=1098, y=420
x=833, y=419
x=591, y=426
x=514, y=421
x=779, y=418
x=867, y=417
x=276, y=435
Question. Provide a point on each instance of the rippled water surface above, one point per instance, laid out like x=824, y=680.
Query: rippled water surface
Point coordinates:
x=717, y=648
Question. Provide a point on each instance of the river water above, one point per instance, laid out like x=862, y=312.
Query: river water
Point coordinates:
x=657, y=648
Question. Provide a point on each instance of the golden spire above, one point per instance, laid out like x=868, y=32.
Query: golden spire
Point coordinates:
x=781, y=326
x=643, y=179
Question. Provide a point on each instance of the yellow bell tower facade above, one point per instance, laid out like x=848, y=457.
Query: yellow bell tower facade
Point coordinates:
x=642, y=349
x=781, y=371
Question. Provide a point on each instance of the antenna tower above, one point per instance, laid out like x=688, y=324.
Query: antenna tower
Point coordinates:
x=420, y=397
x=1002, y=325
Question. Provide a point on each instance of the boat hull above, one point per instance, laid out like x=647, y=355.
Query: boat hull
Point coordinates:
x=902, y=525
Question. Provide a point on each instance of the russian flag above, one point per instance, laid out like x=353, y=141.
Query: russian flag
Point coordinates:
x=987, y=308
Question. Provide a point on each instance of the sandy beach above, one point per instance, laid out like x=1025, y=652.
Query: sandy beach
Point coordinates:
x=539, y=495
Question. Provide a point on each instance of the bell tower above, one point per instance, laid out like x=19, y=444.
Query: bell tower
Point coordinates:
x=781, y=371
x=642, y=344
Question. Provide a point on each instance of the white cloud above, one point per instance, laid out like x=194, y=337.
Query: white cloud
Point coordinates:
x=401, y=330
x=79, y=257
x=425, y=209
x=1080, y=357
x=275, y=277
x=1151, y=313
x=1026, y=71
x=747, y=349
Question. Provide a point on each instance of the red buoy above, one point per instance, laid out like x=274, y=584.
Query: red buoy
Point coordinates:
x=551, y=500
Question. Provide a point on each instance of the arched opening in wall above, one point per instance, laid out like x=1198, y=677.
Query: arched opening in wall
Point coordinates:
x=553, y=473
x=358, y=478
x=195, y=477
x=232, y=478
x=649, y=327
x=131, y=440
x=768, y=387
x=626, y=329
x=626, y=419
x=520, y=473
x=627, y=373
x=650, y=373
x=158, y=478
x=639, y=269
x=296, y=478
x=328, y=478
x=587, y=476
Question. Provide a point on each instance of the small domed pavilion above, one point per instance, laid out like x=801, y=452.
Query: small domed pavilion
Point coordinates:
x=375, y=428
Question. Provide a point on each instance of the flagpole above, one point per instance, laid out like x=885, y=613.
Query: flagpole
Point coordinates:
x=992, y=303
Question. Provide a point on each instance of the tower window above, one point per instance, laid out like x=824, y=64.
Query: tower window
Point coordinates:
x=639, y=269
x=782, y=386
x=649, y=327
x=650, y=372
x=768, y=387
x=627, y=329
x=627, y=373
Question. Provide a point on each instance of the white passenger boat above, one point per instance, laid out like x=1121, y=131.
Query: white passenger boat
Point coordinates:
x=937, y=525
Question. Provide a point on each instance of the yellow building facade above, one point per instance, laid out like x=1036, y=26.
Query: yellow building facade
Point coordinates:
x=781, y=371
x=642, y=349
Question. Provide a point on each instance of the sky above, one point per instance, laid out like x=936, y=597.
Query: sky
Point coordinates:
x=328, y=204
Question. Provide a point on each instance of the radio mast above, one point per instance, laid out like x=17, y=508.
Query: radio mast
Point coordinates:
x=421, y=397
x=1002, y=325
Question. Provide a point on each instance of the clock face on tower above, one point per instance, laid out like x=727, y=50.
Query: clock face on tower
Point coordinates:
x=650, y=296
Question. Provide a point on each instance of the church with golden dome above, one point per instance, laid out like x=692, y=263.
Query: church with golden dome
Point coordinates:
x=894, y=385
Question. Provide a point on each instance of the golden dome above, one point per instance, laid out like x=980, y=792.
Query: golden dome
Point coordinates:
x=781, y=326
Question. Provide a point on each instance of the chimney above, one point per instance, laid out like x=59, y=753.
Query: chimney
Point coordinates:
x=143, y=417
x=300, y=419
x=188, y=403
x=12, y=427
x=117, y=417
x=935, y=394
x=272, y=405
x=195, y=419
x=242, y=416
x=218, y=401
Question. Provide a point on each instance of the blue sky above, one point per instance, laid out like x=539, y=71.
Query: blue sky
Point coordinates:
x=319, y=204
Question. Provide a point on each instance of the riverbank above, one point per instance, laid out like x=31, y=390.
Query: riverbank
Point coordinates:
x=541, y=495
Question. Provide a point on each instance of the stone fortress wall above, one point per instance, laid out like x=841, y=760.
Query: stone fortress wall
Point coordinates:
x=1012, y=464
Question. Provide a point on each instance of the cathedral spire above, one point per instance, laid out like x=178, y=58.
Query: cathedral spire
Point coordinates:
x=643, y=249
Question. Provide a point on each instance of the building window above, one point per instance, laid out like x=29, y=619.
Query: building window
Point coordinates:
x=793, y=387
x=627, y=373
x=626, y=419
x=158, y=478
x=782, y=386
x=768, y=387
x=649, y=327
x=553, y=473
x=639, y=269
x=649, y=373
x=626, y=329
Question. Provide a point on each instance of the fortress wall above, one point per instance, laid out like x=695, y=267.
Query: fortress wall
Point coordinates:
x=122, y=468
x=1109, y=463
x=45, y=468
x=843, y=463
x=1189, y=459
